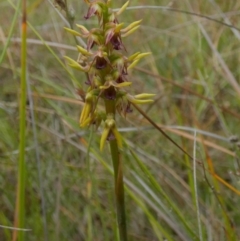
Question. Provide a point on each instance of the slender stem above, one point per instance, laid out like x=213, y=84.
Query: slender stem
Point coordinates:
x=118, y=179
x=119, y=190
x=20, y=206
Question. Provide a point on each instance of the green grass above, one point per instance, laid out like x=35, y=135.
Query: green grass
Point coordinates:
x=194, y=71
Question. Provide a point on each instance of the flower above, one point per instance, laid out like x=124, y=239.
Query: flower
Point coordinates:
x=110, y=131
x=94, y=9
x=94, y=36
x=87, y=114
x=101, y=62
x=113, y=36
x=100, y=59
x=111, y=87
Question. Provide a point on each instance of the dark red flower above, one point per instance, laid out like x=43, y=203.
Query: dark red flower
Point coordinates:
x=101, y=63
x=117, y=42
x=110, y=93
x=120, y=79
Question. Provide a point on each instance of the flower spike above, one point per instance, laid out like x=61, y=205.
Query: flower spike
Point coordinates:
x=106, y=70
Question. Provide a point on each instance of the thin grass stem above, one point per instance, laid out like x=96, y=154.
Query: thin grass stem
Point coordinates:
x=38, y=160
x=20, y=206
x=195, y=188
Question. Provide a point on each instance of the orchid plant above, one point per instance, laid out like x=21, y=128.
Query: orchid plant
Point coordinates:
x=107, y=83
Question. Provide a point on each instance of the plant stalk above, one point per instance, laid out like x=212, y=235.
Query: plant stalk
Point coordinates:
x=118, y=179
x=20, y=205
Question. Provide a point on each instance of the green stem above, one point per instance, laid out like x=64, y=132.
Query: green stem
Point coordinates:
x=118, y=179
x=20, y=208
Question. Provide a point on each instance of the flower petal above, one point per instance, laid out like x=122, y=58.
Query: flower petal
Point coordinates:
x=101, y=63
x=74, y=64
x=75, y=33
x=93, y=9
x=117, y=136
x=130, y=31
x=83, y=51
x=104, y=137
x=131, y=26
x=133, y=64
x=84, y=30
x=122, y=8
x=144, y=96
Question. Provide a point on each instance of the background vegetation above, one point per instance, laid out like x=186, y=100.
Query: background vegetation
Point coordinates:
x=194, y=71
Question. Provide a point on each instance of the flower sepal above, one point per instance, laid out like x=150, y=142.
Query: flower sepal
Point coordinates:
x=74, y=64
x=110, y=131
x=122, y=9
x=140, y=99
x=75, y=33
x=130, y=28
